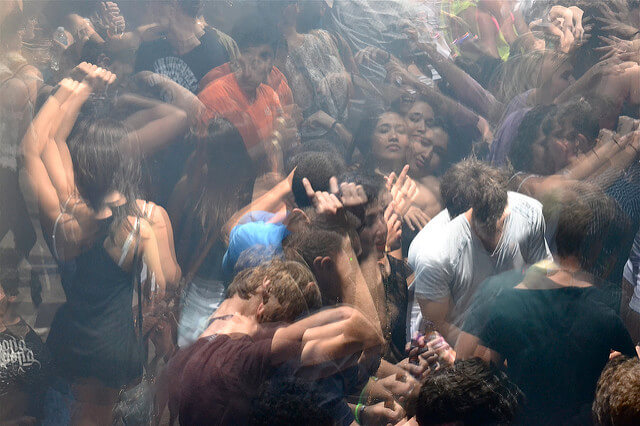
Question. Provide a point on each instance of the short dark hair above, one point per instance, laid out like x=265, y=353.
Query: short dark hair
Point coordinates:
x=289, y=400
x=469, y=392
x=456, y=186
x=581, y=116
x=472, y=183
x=617, y=400
x=574, y=218
x=190, y=8
x=312, y=242
x=254, y=30
x=318, y=167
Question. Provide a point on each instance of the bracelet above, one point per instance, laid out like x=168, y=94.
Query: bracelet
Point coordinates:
x=359, y=408
x=333, y=126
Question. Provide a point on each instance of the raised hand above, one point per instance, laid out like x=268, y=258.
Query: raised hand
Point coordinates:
x=112, y=18
x=397, y=386
x=382, y=413
x=351, y=195
x=403, y=190
x=324, y=202
x=416, y=219
x=394, y=227
x=348, y=195
x=617, y=27
x=625, y=50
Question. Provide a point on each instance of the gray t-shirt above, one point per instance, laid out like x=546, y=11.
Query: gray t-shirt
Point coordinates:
x=450, y=261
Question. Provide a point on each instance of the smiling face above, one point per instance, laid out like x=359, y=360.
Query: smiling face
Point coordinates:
x=389, y=140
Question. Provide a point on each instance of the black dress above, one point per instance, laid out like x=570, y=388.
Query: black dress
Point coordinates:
x=396, y=301
x=92, y=334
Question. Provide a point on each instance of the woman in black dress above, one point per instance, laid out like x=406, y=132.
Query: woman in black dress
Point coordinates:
x=96, y=229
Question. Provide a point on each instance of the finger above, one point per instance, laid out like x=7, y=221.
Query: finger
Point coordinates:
x=333, y=185
x=387, y=212
x=402, y=177
x=425, y=219
x=335, y=203
x=390, y=180
x=410, y=223
x=393, y=218
x=308, y=188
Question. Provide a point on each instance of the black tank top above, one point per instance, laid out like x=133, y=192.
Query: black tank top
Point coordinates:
x=92, y=334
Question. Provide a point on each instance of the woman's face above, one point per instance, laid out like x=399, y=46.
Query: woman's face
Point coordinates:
x=419, y=118
x=428, y=151
x=373, y=235
x=389, y=140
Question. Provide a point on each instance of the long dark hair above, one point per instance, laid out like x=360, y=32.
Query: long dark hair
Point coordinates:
x=219, y=176
x=100, y=166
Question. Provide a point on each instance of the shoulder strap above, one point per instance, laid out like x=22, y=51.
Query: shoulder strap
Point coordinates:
x=127, y=243
x=137, y=284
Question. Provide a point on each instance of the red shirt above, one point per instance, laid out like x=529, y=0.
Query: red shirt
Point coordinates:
x=254, y=120
x=276, y=80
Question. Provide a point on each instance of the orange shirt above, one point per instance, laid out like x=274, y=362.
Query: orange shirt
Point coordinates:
x=254, y=120
x=276, y=80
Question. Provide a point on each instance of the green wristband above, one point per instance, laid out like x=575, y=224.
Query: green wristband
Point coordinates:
x=357, y=413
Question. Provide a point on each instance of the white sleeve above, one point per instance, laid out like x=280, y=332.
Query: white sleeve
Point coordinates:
x=432, y=277
x=536, y=247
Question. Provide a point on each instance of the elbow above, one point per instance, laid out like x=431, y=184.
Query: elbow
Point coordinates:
x=359, y=329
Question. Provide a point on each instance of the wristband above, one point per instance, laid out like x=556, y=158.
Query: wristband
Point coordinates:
x=359, y=408
x=333, y=126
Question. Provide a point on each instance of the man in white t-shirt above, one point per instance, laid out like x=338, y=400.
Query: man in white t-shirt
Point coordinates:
x=502, y=231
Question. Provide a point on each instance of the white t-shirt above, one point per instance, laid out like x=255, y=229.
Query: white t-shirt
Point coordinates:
x=450, y=261
x=414, y=320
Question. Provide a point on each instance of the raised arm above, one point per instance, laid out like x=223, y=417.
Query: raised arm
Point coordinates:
x=328, y=335
x=465, y=87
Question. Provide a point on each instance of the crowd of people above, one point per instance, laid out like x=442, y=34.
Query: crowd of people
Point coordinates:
x=321, y=212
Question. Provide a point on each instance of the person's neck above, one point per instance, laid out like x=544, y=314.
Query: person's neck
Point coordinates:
x=564, y=272
x=9, y=318
x=385, y=167
x=291, y=35
x=184, y=34
x=249, y=90
x=231, y=306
